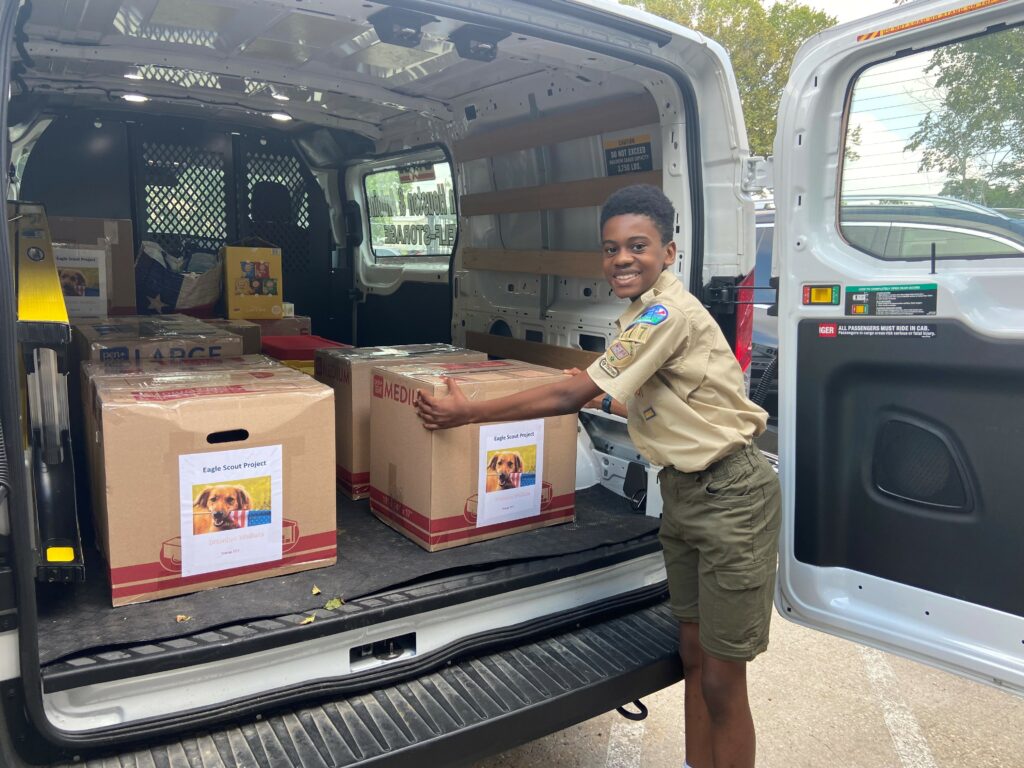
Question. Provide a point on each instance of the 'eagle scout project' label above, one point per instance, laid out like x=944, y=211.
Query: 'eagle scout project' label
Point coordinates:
x=231, y=508
x=511, y=462
x=83, y=278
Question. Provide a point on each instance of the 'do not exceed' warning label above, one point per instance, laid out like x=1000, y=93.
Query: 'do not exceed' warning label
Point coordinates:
x=886, y=330
x=630, y=154
x=890, y=300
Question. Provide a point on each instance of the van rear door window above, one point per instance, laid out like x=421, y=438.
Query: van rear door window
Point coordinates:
x=412, y=212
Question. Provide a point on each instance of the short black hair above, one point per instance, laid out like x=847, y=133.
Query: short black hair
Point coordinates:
x=644, y=200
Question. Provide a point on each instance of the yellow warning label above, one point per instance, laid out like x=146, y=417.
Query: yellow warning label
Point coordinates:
x=627, y=141
x=928, y=20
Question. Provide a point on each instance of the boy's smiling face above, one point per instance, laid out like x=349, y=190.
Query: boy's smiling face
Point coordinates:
x=634, y=255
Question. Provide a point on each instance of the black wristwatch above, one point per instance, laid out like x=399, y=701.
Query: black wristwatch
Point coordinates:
x=606, y=404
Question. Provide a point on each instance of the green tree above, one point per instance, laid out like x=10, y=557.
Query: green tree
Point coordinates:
x=976, y=133
x=761, y=42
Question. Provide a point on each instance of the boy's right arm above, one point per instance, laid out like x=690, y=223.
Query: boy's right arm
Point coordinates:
x=565, y=396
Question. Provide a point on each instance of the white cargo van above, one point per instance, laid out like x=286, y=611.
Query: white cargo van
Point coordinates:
x=433, y=171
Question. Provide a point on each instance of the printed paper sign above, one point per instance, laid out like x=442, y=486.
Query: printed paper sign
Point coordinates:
x=230, y=509
x=83, y=278
x=511, y=463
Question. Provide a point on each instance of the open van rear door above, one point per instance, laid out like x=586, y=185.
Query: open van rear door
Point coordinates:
x=900, y=239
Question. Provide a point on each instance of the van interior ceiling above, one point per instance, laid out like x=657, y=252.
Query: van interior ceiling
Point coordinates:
x=304, y=93
x=189, y=116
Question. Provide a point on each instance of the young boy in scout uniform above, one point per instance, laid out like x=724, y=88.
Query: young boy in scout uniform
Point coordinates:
x=688, y=412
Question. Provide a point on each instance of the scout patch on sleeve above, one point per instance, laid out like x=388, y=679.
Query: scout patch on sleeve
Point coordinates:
x=653, y=315
x=608, y=368
x=636, y=333
x=649, y=413
x=619, y=354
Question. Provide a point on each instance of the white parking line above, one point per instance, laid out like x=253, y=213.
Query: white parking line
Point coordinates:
x=625, y=742
x=911, y=747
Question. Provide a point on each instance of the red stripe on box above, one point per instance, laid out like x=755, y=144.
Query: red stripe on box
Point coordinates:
x=170, y=582
x=357, y=482
x=448, y=523
x=454, y=528
x=151, y=571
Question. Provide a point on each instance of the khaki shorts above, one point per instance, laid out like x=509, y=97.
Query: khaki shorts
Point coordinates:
x=720, y=536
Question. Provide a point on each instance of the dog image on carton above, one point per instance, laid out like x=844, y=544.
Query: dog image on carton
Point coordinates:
x=230, y=506
x=507, y=469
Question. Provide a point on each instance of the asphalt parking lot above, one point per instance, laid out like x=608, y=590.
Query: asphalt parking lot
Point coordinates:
x=818, y=702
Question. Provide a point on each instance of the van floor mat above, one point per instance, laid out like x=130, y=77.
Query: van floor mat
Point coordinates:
x=371, y=558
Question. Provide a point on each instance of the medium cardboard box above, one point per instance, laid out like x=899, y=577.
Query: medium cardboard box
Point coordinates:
x=248, y=330
x=92, y=370
x=298, y=325
x=350, y=373
x=252, y=282
x=449, y=487
x=102, y=252
x=214, y=478
x=155, y=337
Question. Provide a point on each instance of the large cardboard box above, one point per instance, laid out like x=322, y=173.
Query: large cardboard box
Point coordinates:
x=97, y=262
x=350, y=373
x=185, y=370
x=155, y=337
x=248, y=330
x=252, y=282
x=450, y=487
x=213, y=478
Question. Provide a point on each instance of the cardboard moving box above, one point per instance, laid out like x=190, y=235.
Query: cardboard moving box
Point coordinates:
x=213, y=477
x=350, y=373
x=450, y=487
x=248, y=330
x=253, y=288
x=298, y=325
x=186, y=370
x=97, y=259
x=152, y=337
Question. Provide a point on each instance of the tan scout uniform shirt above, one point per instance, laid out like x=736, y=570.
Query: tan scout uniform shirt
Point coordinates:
x=673, y=368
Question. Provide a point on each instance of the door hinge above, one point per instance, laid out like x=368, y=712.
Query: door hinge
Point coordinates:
x=758, y=174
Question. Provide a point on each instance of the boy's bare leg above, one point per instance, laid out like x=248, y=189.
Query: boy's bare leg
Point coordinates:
x=697, y=721
x=724, y=685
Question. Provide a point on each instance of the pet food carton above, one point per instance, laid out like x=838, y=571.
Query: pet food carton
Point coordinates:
x=449, y=487
x=252, y=282
x=350, y=373
x=96, y=261
x=248, y=330
x=152, y=337
x=212, y=477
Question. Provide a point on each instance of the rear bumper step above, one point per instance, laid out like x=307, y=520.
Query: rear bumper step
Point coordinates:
x=476, y=706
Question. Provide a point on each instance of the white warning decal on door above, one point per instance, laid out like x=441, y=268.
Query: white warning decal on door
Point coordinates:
x=888, y=330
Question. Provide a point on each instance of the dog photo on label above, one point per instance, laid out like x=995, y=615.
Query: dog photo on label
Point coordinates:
x=220, y=508
x=72, y=282
x=504, y=471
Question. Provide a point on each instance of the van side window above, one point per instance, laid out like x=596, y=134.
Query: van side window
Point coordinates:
x=412, y=214
x=933, y=157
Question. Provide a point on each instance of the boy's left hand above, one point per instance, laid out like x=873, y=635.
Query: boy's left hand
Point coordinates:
x=443, y=412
